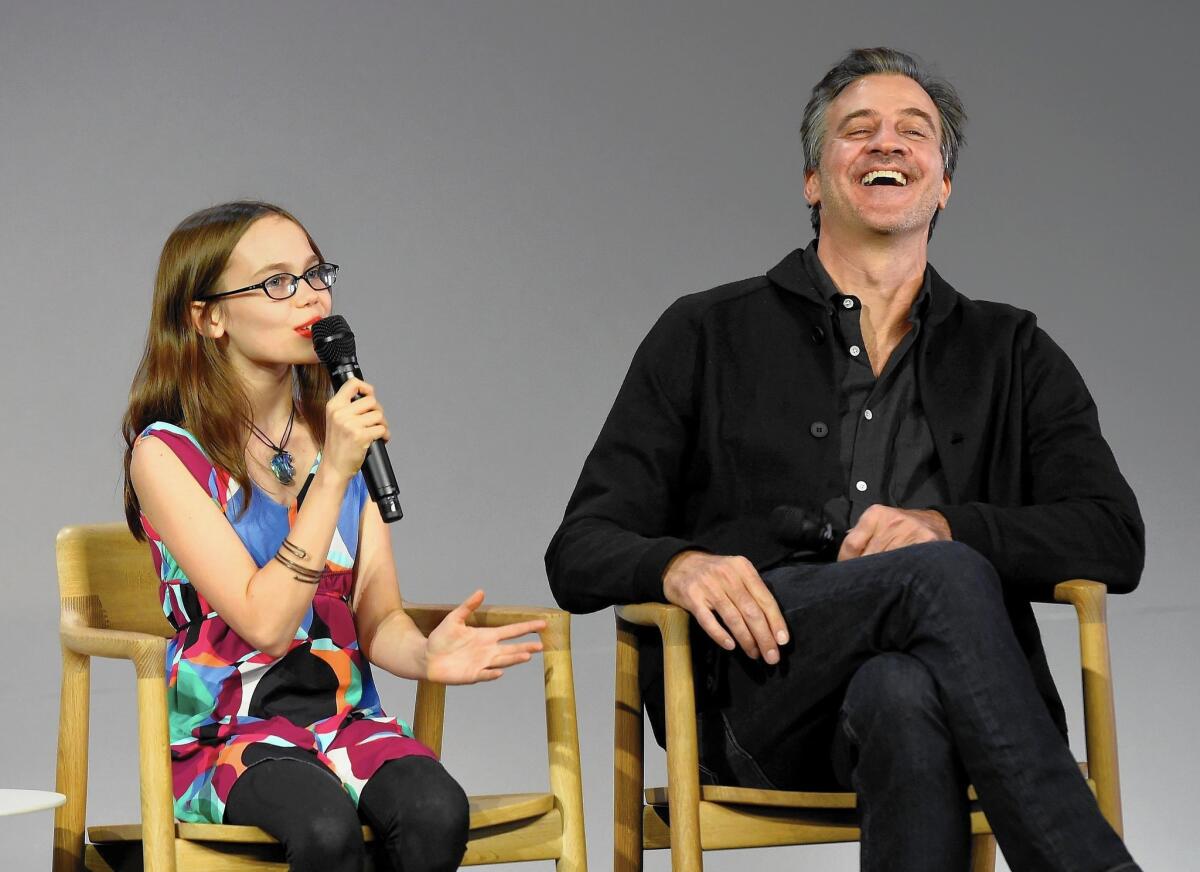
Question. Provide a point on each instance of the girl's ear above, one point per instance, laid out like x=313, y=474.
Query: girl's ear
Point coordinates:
x=208, y=323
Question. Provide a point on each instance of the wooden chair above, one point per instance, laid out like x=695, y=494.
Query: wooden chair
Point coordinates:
x=109, y=608
x=689, y=818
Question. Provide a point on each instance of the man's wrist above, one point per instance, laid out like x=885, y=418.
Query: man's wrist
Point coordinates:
x=673, y=567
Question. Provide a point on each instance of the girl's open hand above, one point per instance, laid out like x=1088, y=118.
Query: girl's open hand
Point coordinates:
x=456, y=653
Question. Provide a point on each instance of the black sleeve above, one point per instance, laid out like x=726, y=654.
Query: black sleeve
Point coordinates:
x=616, y=536
x=1082, y=519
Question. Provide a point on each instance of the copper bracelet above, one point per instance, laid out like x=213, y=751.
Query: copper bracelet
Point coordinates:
x=302, y=573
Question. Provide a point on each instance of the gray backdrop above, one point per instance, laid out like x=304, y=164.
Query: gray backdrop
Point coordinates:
x=515, y=191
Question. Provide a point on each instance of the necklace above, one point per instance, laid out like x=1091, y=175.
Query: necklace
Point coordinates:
x=281, y=463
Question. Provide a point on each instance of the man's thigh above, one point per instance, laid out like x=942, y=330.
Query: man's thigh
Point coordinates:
x=773, y=726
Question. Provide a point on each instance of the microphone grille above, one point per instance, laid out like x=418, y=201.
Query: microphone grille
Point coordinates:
x=333, y=340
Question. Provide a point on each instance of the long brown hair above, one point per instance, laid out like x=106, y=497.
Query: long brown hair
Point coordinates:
x=185, y=378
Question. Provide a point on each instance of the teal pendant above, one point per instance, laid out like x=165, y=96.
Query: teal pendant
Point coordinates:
x=281, y=466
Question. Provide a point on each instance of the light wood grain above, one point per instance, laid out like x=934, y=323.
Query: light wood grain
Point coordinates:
x=1099, y=710
x=628, y=775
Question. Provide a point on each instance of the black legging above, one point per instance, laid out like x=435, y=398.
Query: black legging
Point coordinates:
x=416, y=809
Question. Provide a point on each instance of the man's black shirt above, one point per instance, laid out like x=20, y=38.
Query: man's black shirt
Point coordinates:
x=887, y=451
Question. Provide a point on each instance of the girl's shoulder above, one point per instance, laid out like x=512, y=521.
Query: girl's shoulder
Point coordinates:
x=186, y=447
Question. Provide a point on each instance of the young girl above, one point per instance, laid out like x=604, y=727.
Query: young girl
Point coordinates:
x=242, y=472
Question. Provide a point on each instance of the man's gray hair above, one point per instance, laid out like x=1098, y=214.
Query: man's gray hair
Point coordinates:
x=862, y=62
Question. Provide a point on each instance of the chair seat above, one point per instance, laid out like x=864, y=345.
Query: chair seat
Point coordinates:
x=728, y=795
x=743, y=817
x=486, y=811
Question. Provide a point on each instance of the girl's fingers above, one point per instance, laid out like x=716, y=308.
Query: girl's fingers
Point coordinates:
x=464, y=609
x=353, y=387
x=511, y=631
x=511, y=659
x=520, y=648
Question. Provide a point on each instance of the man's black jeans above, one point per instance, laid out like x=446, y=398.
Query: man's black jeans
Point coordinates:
x=904, y=682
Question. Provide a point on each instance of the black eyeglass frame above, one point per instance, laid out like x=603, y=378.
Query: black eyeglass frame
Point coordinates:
x=294, y=284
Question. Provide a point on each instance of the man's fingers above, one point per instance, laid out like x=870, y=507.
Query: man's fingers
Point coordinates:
x=770, y=609
x=853, y=544
x=758, y=625
x=881, y=541
x=883, y=528
x=709, y=624
x=731, y=617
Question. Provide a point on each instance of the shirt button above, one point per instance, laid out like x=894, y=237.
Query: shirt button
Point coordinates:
x=868, y=414
x=855, y=351
x=861, y=486
x=818, y=335
x=819, y=429
x=848, y=302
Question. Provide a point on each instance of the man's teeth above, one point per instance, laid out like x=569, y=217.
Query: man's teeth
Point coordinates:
x=895, y=176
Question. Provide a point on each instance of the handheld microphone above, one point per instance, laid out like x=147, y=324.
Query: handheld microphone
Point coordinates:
x=334, y=344
x=806, y=529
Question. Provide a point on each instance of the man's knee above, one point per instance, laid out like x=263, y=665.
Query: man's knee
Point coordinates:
x=954, y=574
x=894, y=689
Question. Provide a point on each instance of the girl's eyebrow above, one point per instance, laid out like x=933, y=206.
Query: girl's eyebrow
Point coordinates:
x=273, y=268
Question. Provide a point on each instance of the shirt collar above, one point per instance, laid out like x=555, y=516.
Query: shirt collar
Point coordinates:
x=802, y=273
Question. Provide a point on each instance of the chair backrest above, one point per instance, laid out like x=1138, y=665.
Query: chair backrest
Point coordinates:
x=106, y=579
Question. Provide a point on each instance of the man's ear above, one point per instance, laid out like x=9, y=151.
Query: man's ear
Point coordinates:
x=812, y=188
x=207, y=323
x=942, y=200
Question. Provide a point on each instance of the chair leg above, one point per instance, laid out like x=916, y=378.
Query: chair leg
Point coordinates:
x=983, y=853
x=683, y=753
x=628, y=771
x=158, y=813
x=562, y=738
x=72, y=773
x=1100, y=722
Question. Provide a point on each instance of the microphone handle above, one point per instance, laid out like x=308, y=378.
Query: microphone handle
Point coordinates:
x=377, y=466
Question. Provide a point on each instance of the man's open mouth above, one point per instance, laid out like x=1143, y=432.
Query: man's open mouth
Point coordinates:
x=885, y=177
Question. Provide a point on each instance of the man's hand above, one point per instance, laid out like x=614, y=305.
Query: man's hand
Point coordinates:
x=731, y=588
x=883, y=528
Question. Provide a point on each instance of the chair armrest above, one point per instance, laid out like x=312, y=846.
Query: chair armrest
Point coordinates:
x=1087, y=597
x=1099, y=709
x=671, y=620
x=556, y=635
x=683, y=751
x=148, y=655
x=646, y=614
x=148, y=652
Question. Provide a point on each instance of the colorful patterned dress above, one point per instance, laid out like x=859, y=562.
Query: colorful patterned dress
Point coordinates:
x=232, y=706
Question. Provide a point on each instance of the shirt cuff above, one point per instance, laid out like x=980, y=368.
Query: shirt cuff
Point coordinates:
x=968, y=525
x=648, y=577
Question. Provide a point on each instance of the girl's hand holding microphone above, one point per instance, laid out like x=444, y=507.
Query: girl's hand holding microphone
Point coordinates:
x=353, y=420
